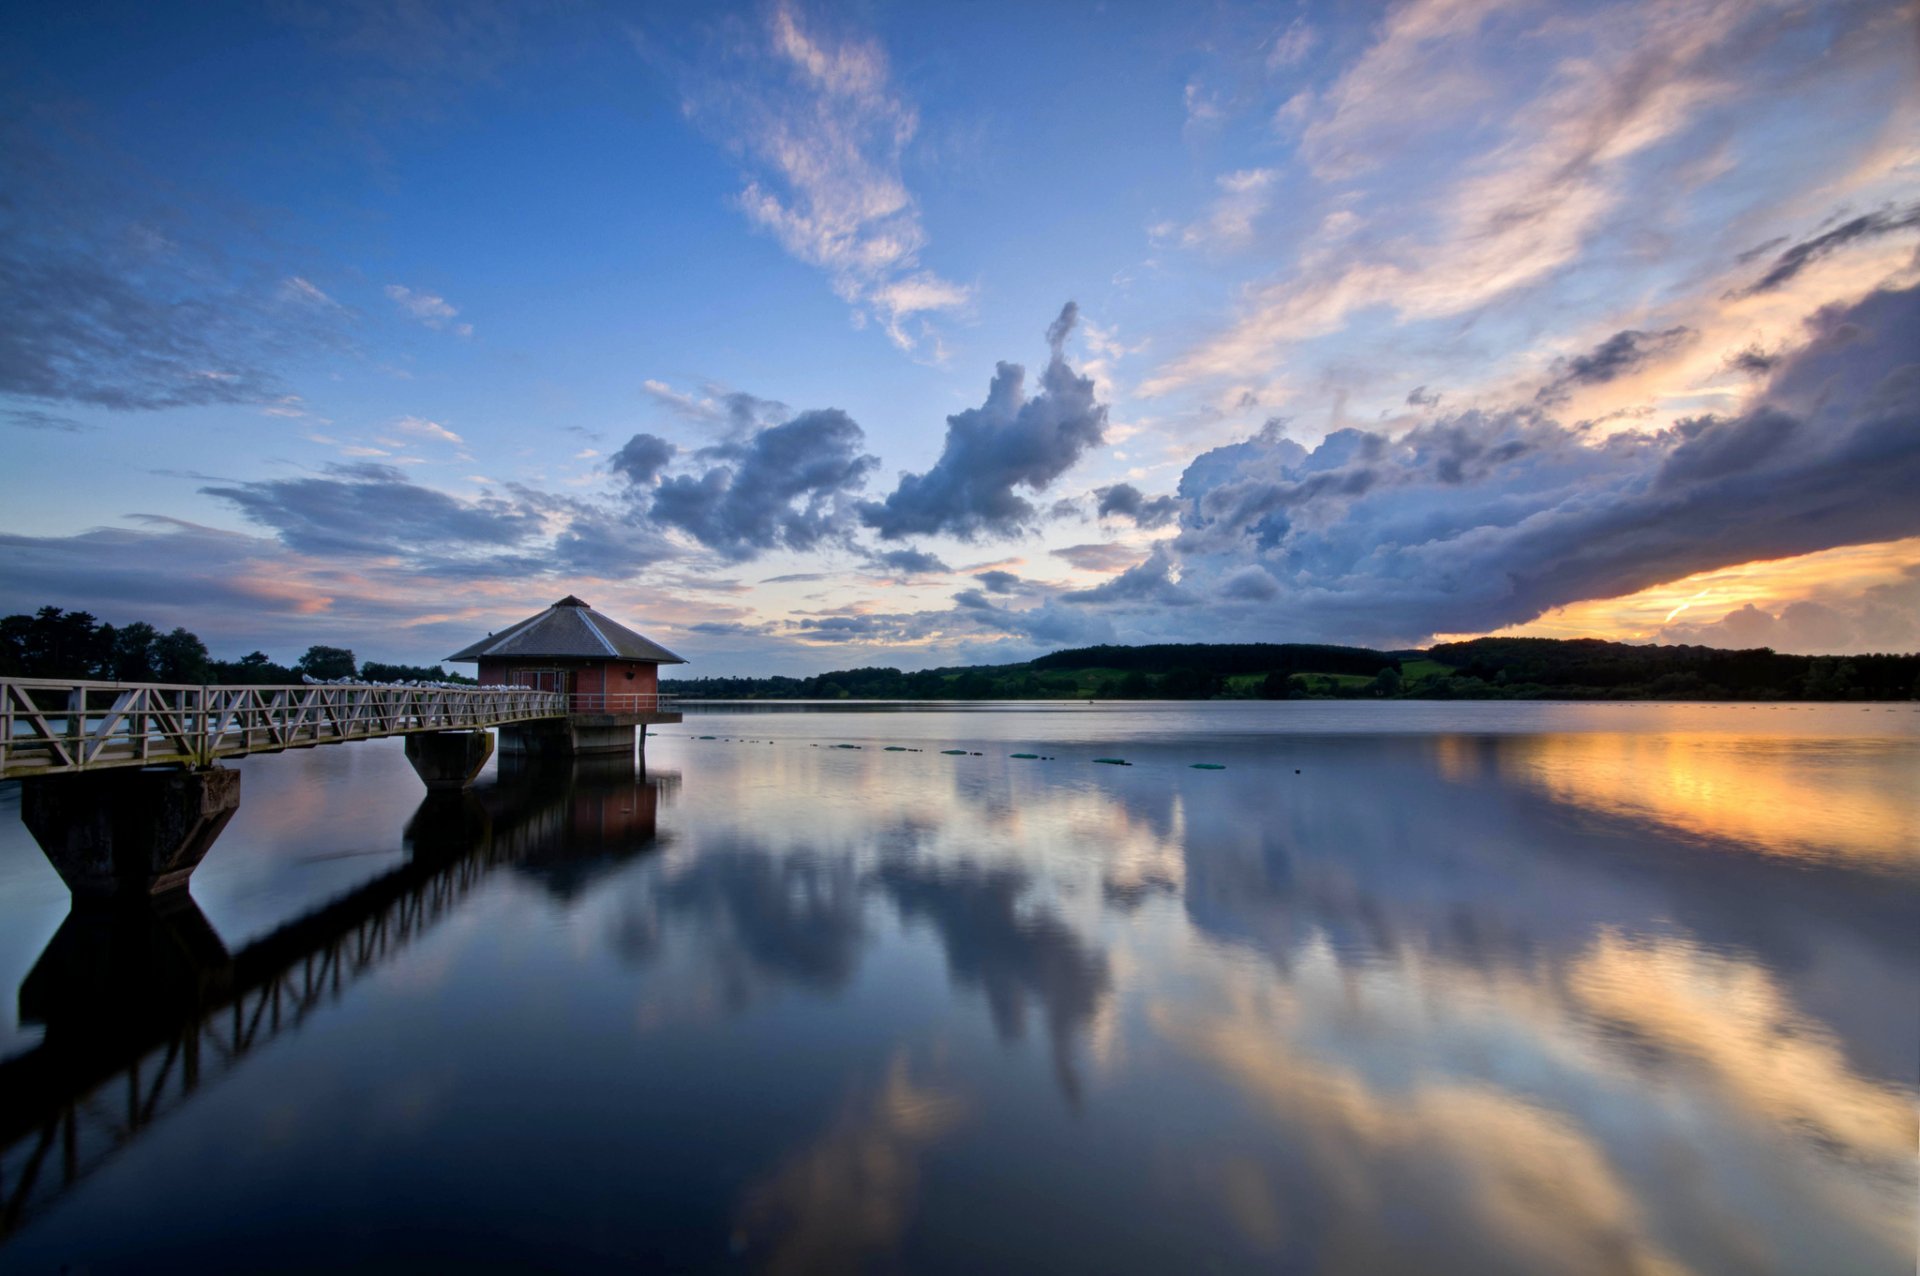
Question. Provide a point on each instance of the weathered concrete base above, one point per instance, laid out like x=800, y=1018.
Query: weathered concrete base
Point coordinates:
x=128, y=832
x=570, y=737
x=449, y=760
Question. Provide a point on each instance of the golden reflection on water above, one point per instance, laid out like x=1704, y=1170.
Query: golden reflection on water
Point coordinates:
x=849, y=1196
x=1805, y=799
x=1730, y=1024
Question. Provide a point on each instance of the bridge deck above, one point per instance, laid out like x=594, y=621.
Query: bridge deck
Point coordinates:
x=50, y=727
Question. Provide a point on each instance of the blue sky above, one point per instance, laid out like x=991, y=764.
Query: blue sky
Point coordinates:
x=386, y=324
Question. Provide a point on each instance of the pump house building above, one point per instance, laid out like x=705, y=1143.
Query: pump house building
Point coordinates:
x=609, y=674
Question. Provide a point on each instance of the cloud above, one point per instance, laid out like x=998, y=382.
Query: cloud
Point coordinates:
x=118, y=297
x=1418, y=397
x=434, y=311
x=1244, y=196
x=1149, y=582
x=828, y=129
x=783, y=487
x=1489, y=518
x=420, y=427
x=641, y=459
x=374, y=509
x=1009, y=441
x=1124, y=500
x=1502, y=179
x=34, y=419
x=997, y=582
x=1885, y=221
x=1883, y=617
x=910, y=562
x=735, y=411
x=1100, y=557
x=1623, y=352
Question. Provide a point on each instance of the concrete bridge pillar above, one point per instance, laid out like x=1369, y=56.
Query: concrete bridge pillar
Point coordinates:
x=449, y=759
x=128, y=832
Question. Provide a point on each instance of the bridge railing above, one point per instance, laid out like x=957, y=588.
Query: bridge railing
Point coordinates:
x=618, y=703
x=49, y=725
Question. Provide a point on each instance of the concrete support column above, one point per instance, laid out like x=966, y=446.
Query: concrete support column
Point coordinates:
x=449, y=759
x=566, y=737
x=128, y=832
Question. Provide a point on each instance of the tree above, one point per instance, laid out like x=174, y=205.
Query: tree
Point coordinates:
x=327, y=663
x=180, y=657
x=1386, y=682
x=132, y=657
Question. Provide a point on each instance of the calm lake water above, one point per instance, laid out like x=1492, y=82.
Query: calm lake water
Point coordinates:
x=1435, y=988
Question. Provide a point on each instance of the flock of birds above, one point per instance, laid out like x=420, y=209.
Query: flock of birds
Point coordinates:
x=411, y=684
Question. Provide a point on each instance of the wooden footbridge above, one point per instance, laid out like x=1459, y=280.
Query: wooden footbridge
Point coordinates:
x=125, y=794
x=63, y=728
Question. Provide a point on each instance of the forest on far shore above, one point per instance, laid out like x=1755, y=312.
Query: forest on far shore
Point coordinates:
x=53, y=643
x=1482, y=669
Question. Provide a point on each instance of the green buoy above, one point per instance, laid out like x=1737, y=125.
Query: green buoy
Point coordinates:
x=1114, y=761
x=957, y=753
x=1209, y=766
x=1026, y=755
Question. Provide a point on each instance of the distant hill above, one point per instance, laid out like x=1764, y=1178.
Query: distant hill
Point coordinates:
x=1483, y=669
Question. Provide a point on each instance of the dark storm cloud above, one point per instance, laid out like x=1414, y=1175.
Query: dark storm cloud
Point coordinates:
x=1753, y=361
x=373, y=509
x=119, y=299
x=1623, y=352
x=910, y=562
x=997, y=582
x=1150, y=581
x=1008, y=442
x=784, y=487
x=1486, y=519
x=1124, y=500
x=1803, y=254
x=640, y=460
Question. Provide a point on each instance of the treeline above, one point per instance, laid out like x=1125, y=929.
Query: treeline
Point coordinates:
x=1483, y=669
x=1591, y=668
x=53, y=643
x=1225, y=658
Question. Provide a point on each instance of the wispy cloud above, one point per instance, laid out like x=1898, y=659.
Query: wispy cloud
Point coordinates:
x=422, y=428
x=1530, y=197
x=826, y=129
x=434, y=311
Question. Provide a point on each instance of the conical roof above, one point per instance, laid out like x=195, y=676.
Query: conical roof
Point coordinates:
x=568, y=630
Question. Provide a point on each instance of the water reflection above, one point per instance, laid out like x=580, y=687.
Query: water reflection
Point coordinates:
x=143, y=1005
x=1363, y=1001
x=1836, y=800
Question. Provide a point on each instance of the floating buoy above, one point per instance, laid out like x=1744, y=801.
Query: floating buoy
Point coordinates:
x=1209, y=766
x=706, y=737
x=896, y=748
x=957, y=753
x=1114, y=761
x=847, y=746
x=1026, y=755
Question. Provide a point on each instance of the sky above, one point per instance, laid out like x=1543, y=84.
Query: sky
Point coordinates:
x=803, y=336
